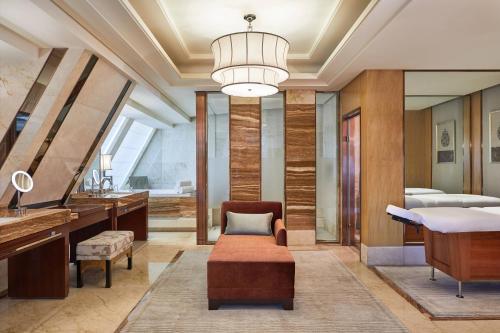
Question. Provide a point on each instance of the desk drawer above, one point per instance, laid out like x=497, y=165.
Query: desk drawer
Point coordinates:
x=30, y=242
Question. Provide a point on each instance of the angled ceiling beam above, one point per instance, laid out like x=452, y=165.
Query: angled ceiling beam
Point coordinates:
x=120, y=135
x=149, y=113
x=19, y=42
x=56, y=9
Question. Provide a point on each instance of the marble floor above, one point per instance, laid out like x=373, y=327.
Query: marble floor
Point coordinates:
x=180, y=224
x=96, y=309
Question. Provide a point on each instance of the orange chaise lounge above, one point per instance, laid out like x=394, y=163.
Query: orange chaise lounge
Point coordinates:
x=251, y=268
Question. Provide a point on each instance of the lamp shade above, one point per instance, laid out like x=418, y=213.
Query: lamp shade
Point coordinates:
x=106, y=161
x=250, y=64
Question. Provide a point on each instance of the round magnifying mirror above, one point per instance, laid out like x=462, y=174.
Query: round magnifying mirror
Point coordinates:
x=95, y=175
x=22, y=181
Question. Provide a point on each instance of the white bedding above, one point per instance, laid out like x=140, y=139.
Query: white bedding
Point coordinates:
x=419, y=190
x=452, y=219
x=450, y=200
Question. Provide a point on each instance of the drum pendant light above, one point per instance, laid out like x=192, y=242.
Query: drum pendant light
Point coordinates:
x=250, y=63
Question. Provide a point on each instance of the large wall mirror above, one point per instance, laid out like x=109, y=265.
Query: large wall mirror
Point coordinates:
x=452, y=138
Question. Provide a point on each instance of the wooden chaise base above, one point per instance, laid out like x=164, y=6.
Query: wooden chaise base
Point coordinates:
x=286, y=303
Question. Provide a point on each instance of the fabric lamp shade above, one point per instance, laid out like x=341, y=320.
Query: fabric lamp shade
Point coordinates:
x=106, y=161
x=250, y=64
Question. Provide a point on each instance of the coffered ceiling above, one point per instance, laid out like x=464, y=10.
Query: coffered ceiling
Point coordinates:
x=174, y=36
x=185, y=29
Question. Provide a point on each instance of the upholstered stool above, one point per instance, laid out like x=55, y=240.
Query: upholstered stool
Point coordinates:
x=101, y=250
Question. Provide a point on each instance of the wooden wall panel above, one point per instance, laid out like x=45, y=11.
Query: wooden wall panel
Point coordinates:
x=380, y=96
x=201, y=168
x=245, y=149
x=300, y=159
x=418, y=148
x=476, y=154
x=350, y=96
x=382, y=156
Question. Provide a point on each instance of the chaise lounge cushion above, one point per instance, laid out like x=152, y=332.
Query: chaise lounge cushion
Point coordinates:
x=104, y=246
x=248, y=267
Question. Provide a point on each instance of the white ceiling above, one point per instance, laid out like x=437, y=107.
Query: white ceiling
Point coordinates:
x=199, y=22
x=424, y=34
x=146, y=44
x=141, y=117
x=30, y=21
x=11, y=55
x=449, y=83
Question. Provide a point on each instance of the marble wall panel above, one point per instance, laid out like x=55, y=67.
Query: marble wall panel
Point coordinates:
x=18, y=72
x=42, y=118
x=245, y=149
x=300, y=161
x=77, y=133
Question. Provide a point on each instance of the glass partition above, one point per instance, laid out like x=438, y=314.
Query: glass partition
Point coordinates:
x=326, y=167
x=273, y=153
x=218, y=160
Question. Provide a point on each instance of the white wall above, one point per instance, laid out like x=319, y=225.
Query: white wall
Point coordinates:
x=273, y=154
x=326, y=166
x=218, y=160
x=449, y=177
x=491, y=171
x=170, y=157
x=130, y=150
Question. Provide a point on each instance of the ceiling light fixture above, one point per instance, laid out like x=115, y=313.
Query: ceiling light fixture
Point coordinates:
x=250, y=64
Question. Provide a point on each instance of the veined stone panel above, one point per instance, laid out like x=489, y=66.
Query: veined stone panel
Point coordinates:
x=18, y=72
x=42, y=118
x=76, y=134
x=300, y=159
x=245, y=149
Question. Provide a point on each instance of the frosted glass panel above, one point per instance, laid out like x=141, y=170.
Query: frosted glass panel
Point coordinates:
x=326, y=167
x=218, y=160
x=273, y=157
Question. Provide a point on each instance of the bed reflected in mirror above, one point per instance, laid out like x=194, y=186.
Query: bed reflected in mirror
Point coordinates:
x=452, y=140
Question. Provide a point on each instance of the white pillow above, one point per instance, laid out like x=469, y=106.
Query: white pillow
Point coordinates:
x=248, y=224
x=419, y=191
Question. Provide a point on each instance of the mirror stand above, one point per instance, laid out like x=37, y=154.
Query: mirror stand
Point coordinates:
x=20, y=211
x=22, y=182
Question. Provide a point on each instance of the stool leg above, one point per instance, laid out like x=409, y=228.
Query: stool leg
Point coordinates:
x=460, y=294
x=129, y=259
x=433, y=275
x=79, y=282
x=108, y=273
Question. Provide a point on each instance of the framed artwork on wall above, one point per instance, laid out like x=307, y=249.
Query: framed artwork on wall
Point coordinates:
x=445, y=141
x=495, y=136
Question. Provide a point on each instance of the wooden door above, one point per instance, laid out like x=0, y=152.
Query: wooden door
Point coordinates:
x=351, y=180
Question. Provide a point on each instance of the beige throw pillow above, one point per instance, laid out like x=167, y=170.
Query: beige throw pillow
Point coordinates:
x=248, y=224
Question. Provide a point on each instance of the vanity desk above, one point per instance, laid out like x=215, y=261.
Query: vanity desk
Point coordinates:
x=36, y=245
x=129, y=210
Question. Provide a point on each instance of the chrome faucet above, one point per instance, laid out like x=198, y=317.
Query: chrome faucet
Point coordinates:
x=105, y=179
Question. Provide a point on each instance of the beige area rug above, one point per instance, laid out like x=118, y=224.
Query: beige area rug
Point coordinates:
x=328, y=299
x=438, y=298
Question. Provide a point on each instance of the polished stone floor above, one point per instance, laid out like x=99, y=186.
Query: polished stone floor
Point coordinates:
x=96, y=309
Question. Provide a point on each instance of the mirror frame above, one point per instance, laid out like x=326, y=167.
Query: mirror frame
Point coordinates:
x=16, y=185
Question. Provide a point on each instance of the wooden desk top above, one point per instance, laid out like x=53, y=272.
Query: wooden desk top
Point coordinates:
x=35, y=220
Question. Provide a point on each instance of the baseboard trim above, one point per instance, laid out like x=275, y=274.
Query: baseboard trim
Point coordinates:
x=392, y=255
